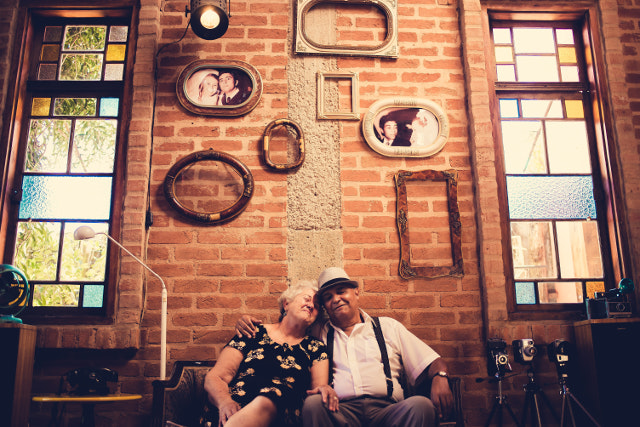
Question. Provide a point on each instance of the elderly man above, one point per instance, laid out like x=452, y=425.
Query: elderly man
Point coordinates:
x=370, y=355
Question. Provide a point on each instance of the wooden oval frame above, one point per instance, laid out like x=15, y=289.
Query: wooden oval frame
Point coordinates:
x=267, y=137
x=219, y=110
x=209, y=217
x=369, y=123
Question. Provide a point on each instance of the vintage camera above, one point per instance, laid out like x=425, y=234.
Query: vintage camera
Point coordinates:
x=558, y=352
x=524, y=350
x=497, y=357
x=90, y=381
x=612, y=303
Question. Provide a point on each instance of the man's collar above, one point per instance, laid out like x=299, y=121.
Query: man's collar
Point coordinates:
x=364, y=318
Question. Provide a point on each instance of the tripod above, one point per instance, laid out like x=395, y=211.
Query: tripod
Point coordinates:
x=566, y=404
x=500, y=404
x=532, y=391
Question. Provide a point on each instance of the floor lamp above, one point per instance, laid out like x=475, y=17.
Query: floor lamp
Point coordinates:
x=85, y=232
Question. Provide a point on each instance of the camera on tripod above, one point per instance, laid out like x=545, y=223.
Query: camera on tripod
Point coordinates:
x=524, y=350
x=497, y=357
x=558, y=352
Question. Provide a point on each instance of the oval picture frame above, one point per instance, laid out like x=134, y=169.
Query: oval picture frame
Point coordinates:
x=209, y=217
x=196, y=80
x=422, y=127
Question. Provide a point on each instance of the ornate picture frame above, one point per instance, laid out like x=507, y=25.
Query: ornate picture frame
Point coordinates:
x=388, y=48
x=219, y=88
x=416, y=127
x=409, y=268
x=323, y=112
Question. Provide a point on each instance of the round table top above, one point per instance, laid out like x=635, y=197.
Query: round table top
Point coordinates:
x=116, y=397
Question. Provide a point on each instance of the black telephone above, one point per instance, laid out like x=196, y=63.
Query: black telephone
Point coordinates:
x=84, y=381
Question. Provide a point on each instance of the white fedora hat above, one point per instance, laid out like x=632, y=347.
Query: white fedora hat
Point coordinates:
x=334, y=276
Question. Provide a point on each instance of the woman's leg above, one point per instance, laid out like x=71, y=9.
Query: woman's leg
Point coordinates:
x=260, y=412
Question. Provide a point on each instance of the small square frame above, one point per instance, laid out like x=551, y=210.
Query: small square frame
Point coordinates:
x=337, y=115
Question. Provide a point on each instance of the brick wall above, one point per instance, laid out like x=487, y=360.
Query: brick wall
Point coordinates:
x=337, y=209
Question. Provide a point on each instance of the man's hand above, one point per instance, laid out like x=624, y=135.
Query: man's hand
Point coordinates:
x=246, y=326
x=226, y=410
x=441, y=396
x=329, y=396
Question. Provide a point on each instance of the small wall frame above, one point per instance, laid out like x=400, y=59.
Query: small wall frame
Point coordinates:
x=421, y=127
x=322, y=108
x=219, y=88
x=388, y=47
x=266, y=139
x=408, y=268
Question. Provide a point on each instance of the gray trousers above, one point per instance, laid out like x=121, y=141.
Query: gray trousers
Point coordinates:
x=415, y=411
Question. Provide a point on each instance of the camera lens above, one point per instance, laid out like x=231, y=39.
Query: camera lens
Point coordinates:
x=502, y=359
x=530, y=351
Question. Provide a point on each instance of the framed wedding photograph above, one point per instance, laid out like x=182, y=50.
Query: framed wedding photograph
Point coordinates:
x=219, y=88
x=405, y=127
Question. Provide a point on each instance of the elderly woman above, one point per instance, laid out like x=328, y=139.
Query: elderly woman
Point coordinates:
x=262, y=381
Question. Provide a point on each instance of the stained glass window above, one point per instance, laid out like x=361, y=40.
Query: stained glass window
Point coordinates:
x=68, y=172
x=548, y=157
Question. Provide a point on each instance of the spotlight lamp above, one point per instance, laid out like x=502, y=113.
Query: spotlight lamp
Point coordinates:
x=209, y=18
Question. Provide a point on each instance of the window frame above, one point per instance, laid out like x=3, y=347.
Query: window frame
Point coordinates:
x=22, y=87
x=607, y=190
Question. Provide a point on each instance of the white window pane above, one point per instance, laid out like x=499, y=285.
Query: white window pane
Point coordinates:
x=523, y=143
x=533, y=40
x=569, y=73
x=564, y=36
x=541, y=108
x=568, y=146
x=579, y=249
x=560, y=292
x=509, y=108
x=537, y=68
x=506, y=73
x=501, y=36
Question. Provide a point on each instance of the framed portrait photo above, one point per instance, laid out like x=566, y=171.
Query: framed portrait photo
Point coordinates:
x=219, y=88
x=405, y=127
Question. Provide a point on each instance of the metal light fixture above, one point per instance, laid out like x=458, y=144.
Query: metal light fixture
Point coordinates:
x=85, y=232
x=209, y=18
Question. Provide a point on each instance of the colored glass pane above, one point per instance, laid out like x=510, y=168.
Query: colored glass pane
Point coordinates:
x=47, y=71
x=533, y=251
x=85, y=260
x=542, y=197
x=56, y=295
x=109, y=107
x=537, y=68
x=118, y=33
x=509, y=108
x=51, y=197
x=50, y=52
x=116, y=52
x=36, y=250
x=568, y=147
x=93, y=296
x=52, y=34
x=524, y=147
x=40, y=106
x=502, y=35
x=533, y=40
x=525, y=293
x=94, y=146
x=567, y=55
x=47, y=146
x=560, y=292
x=574, y=109
x=579, y=249
x=593, y=287
x=113, y=72
x=75, y=106
x=80, y=66
x=84, y=37
x=541, y=108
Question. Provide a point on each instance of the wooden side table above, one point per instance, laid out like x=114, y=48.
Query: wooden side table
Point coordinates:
x=88, y=403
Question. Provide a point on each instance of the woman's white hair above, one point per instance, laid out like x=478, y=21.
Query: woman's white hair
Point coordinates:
x=293, y=291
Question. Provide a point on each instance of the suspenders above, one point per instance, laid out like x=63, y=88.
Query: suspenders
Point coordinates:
x=377, y=330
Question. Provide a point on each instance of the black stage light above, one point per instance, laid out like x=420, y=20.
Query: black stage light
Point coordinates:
x=209, y=18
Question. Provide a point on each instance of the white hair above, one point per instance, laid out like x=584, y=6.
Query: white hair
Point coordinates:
x=293, y=291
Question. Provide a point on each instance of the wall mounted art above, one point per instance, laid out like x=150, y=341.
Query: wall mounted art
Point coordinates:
x=209, y=186
x=291, y=128
x=405, y=127
x=219, y=88
x=324, y=109
x=427, y=251
x=308, y=42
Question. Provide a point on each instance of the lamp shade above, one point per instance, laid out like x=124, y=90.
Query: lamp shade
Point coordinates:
x=209, y=18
